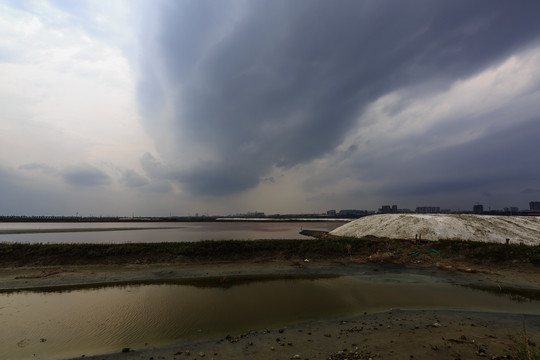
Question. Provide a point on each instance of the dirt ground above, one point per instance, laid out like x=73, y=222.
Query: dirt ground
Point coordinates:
x=394, y=334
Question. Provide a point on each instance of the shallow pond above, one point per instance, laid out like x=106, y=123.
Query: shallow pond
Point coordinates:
x=84, y=321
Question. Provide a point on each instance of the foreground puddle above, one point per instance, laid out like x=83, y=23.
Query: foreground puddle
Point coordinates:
x=84, y=321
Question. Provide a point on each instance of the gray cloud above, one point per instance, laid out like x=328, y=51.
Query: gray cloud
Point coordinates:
x=131, y=178
x=248, y=86
x=154, y=168
x=44, y=168
x=85, y=175
x=500, y=163
x=23, y=197
x=15, y=198
x=530, y=191
x=160, y=187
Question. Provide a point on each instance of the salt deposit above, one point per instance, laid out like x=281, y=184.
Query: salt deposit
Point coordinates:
x=486, y=228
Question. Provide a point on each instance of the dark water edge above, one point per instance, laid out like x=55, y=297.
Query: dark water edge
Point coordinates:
x=221, y=282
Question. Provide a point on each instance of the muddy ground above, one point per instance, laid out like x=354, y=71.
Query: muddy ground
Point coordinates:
x=393, y=334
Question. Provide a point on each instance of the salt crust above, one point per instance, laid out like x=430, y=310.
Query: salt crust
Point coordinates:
x=486, y=228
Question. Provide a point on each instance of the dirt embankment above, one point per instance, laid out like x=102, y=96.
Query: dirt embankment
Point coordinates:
x=28, y=265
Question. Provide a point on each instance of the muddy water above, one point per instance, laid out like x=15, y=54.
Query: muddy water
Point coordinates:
x=73, y=323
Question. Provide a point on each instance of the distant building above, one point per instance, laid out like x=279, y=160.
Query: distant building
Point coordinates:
x=478, y=209
x=428, y=209
x=353, y=213
x=331, y=213
x=534, y=205
x=511, y=209
x=255, y=214
x=387, y=209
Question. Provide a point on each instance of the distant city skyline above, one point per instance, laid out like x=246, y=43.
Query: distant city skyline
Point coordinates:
x=534, y=206
x=159, y=107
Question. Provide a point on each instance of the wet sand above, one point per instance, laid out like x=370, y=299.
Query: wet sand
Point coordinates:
x=393, y=334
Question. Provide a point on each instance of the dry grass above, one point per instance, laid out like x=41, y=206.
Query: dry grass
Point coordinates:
x=369, y=249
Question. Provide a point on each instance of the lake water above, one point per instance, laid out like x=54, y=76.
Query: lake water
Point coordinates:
x=126, y=232
x=78, y=322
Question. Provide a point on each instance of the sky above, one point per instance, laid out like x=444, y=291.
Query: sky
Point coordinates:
x=158, y=108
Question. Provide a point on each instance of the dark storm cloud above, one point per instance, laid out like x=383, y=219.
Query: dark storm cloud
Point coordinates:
x=530, y=191
x=500, y=161
x=85, y=175
x=278, y=83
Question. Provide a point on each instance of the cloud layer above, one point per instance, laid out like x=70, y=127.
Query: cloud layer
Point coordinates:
x=160, y=107
x=237, y=91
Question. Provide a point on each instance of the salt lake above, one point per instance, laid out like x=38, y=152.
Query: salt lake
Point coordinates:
x=136, y=232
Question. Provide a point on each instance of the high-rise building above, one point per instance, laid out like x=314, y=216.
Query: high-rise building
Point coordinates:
x=386, y=209
x=478, y=209
x=534, y=205
x=428, y=209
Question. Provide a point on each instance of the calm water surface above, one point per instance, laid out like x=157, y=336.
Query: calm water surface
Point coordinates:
x=72, y=323
x=163, y=231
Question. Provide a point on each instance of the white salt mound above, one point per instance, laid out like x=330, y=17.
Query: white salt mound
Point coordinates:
x=486, y=228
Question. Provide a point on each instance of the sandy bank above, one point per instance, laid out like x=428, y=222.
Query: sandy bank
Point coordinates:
x=32, y=277
x=395, y=334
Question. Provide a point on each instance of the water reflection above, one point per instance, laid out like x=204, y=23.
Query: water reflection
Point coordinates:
x=104, y=319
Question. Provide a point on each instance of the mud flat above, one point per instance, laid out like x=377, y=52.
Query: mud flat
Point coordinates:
x=394, y=334
x=390, y=334
x=510, y=270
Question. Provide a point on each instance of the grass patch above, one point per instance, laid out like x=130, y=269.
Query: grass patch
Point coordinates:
x=525, y=348
x=324, y=247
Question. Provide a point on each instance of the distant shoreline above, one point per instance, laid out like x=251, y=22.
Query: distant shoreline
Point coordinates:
x=39, y=231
